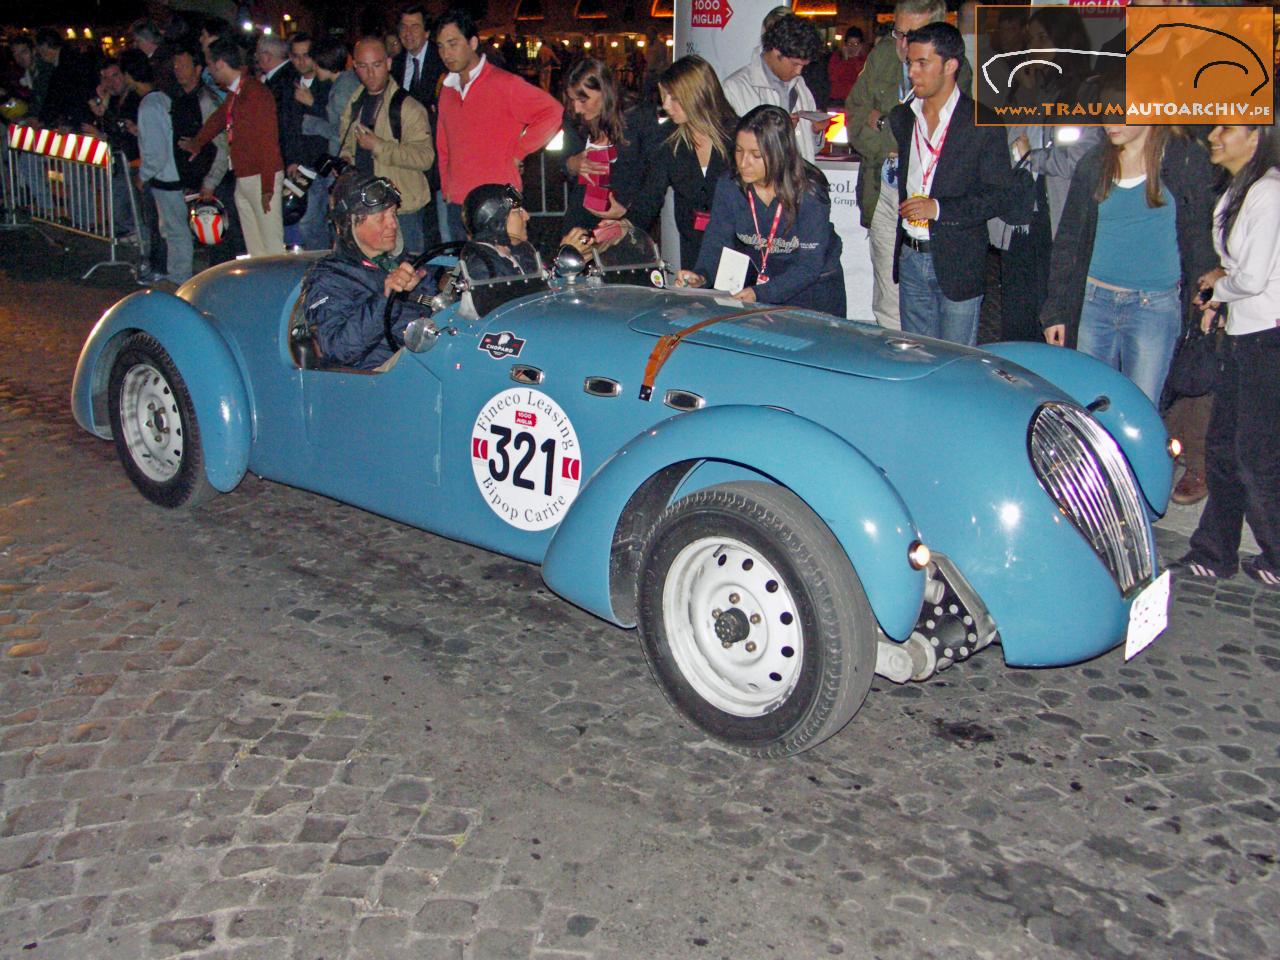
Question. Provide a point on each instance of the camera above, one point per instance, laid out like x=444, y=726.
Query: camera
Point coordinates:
x=330, y=166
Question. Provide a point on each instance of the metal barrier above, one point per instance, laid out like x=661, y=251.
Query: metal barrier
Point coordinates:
x=65, y=180
x=550, y=176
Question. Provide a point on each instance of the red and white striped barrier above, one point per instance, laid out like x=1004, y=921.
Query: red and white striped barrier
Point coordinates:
x=76, y=147
x=68, y=181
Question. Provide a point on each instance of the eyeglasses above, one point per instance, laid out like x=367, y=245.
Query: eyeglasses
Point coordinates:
x=898, y=35
x=512, y=196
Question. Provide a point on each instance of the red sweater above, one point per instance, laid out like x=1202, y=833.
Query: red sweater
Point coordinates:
x=483, y=138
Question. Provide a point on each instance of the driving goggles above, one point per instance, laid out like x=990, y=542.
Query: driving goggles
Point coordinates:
x=378, y=194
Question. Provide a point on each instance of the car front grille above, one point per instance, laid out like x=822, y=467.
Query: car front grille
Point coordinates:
x=1081, y=467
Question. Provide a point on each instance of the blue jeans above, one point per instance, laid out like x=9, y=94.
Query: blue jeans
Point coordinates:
x=925, y=309
x=453, y=228
x=1133, y=331
x=313, y=228
x=411, y=231
x=171, y=206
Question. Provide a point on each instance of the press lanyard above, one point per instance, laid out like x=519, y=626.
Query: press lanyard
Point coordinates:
x=935, y=152
x=231, y=110
x=761, y=276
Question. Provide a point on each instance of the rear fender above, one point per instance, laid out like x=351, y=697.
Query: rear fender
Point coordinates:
x=843, y=487
x=1128, y=416
x=212, y=376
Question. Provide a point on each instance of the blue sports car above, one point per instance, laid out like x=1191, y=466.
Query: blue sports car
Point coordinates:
x=785, y=504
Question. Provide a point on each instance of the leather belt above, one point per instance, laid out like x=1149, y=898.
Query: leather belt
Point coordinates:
x=667, y=344
x=919, y=246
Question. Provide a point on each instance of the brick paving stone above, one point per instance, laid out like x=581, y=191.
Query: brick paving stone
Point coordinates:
x=354, y=851
x=242, y=860
x=143, y=905
x=346, y=881
x=446, y=917
x=33, y=817
x=181, y=936
x=498, y=944
x=309, y=773
x=513, y=907
x=404, y=890
x=375, y=935
x=19, y=852
x=425, y=853
x=477, y=877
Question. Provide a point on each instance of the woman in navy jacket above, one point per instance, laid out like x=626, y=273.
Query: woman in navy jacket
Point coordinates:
x=776, y=209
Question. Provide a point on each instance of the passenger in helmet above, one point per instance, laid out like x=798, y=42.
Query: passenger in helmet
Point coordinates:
x=346, y=293
x=498, y=234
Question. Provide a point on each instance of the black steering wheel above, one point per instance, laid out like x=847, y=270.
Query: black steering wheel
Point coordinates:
x=418, y=262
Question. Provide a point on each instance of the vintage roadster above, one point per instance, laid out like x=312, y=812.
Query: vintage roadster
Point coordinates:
x=783, y=502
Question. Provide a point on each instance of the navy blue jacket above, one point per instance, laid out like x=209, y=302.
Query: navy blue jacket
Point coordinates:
x=804, y=267
x=344, y=303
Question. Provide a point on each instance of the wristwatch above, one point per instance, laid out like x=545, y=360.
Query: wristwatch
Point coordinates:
x=880, y=121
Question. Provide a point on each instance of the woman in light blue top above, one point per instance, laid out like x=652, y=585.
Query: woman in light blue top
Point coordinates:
x=1133, y=239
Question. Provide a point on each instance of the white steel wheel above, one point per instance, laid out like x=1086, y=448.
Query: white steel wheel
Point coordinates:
x=752, y=619
x=151, y=422
x=732, y=626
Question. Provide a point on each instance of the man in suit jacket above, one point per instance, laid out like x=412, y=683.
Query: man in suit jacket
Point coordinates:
x=280, y=76
x=952, y=177
x=417, y=69
x=248, y=116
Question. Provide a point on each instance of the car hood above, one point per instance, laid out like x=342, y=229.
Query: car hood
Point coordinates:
x=795, y=336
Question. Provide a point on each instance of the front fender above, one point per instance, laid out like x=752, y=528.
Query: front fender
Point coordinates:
x=1129, y=417
x=202, y=356
x=843, y=487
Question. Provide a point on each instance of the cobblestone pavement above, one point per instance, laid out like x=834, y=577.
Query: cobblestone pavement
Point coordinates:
x=276, y=727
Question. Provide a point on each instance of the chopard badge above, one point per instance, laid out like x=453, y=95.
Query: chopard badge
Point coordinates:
x=501, y=345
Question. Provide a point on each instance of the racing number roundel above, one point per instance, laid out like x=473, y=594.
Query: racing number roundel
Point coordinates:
x=526, y=458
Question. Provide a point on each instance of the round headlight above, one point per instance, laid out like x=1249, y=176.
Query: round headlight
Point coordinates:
x=1175, y=447
x=918, y=555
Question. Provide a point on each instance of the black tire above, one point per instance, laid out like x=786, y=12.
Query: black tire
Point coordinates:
x=154, y=425
x=800, y=604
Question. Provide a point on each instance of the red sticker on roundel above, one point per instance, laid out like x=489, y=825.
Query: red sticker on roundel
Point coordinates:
x=526, y=418
x=570, y=468
x=480, y=448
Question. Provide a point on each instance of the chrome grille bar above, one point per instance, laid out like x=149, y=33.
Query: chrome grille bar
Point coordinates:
x=1082, y=468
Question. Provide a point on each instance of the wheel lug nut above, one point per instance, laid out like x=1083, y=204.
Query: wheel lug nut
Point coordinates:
x=727, y=644
x=750, y=646
x=717, y=613
x=734, y=598
x=755, y=618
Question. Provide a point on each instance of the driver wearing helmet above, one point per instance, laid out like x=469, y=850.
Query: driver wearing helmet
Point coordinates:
x=345, y=294
x=498, y=234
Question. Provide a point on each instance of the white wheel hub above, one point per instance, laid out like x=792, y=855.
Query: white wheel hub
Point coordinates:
x=151, y=422
x=733, y=626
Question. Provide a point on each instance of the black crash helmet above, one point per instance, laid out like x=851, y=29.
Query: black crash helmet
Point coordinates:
x=485, y=212
x=356, y=194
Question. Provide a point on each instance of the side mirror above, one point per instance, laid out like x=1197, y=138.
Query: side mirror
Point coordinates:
x=569, y=263
x=420, y=335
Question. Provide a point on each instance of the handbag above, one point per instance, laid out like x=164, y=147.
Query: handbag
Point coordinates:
x=1194, y=367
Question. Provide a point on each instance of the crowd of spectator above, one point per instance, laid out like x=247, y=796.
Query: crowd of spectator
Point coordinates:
x=431, y=110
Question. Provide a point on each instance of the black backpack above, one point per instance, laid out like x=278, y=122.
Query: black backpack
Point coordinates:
x=393, y=112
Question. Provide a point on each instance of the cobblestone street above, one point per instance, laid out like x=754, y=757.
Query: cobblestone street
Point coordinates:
x=277, y=727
